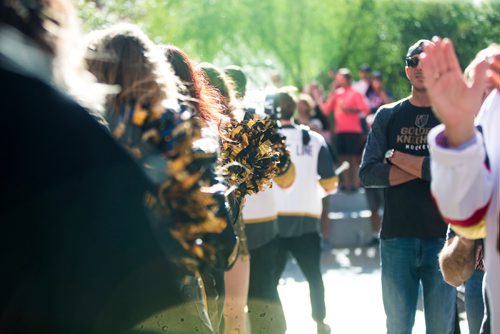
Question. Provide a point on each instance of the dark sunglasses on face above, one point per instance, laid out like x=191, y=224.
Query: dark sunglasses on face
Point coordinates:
x=411, y=61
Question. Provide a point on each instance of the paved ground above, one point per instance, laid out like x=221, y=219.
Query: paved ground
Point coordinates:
x=352, y=292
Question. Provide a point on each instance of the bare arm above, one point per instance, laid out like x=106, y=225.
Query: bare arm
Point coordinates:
x=414, y=165
x=399, y=176
x=457, y=260
x=351, y=110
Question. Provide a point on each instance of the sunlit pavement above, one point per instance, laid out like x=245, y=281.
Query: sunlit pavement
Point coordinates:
x=352, y=293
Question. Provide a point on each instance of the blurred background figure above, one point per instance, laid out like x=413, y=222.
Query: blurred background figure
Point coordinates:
x=376, y=93
x=376, y=96
x=276, y=80
x=299, y=208
x=314, y=89
x=365, y=78
x=347, y=106
x=306, y=110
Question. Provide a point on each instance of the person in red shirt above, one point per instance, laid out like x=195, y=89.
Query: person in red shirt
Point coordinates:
x=347, y=106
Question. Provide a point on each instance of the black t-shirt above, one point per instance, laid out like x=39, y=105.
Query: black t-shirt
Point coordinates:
x=409, y=208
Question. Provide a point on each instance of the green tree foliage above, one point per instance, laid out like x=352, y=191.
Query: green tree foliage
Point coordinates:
x=303, y=38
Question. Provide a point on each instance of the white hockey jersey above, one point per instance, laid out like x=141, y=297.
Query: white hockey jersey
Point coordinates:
x=466, y=183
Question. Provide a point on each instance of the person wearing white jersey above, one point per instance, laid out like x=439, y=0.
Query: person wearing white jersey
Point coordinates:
x=260, y=216
x=299, y=208
x=466, y=159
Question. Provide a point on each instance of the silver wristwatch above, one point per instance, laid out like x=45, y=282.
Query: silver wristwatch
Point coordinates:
x=389, y=153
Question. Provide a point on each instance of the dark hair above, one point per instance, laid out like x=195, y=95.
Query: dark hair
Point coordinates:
x=124, y=56
x=377, y=75
x=40, y=20
x=286, y=104
x=223, y=85
x=365, y=68
x=239, y=78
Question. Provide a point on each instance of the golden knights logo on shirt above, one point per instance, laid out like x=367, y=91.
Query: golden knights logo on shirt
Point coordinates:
x=415, y=138
x=421, y=120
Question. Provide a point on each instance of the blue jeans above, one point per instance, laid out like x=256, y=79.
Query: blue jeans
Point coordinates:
x=406, y=263
x=474, y=304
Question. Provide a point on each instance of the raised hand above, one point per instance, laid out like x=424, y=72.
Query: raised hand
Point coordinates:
x=454, y=101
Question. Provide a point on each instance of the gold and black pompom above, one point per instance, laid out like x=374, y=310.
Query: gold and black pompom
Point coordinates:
x=253, y=153
x=187, y=200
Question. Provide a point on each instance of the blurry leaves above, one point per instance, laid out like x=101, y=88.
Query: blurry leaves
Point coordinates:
x=304, y=38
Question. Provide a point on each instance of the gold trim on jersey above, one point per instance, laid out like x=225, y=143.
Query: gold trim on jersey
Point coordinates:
x=473, y=232
x=299, y=214
x=260, y=220
x=330, y=183
x=286, y=179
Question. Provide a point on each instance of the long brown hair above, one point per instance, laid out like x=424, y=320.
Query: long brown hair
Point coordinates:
x=225, y=86
x=125, y=57
x=197, y=91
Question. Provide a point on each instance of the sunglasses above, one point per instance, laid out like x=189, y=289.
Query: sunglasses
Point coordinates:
x=411, y=61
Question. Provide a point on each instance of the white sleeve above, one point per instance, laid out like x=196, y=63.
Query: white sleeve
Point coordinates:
x=461, y=183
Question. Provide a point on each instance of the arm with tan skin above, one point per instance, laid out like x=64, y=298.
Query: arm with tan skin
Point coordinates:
x=352, y=110
x=399, y=176
x=357, y=105
x=411, y=164
x=326, y=106
x=457, y=260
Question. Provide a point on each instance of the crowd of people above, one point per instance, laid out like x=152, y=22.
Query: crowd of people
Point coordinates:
x=139, y=190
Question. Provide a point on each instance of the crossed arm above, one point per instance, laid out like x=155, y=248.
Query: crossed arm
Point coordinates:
x=419, y=167
x=375, y=171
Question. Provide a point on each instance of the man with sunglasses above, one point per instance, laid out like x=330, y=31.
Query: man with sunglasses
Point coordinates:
x=396, y=158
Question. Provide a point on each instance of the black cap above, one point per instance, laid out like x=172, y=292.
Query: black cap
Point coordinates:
x=417, y=48
x=377, y=75
x=365, y=68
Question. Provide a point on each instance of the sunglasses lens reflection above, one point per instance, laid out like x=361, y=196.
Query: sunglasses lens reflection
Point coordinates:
x=412, y=62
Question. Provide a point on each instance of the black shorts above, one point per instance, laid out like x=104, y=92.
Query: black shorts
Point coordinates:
x=349, y=143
